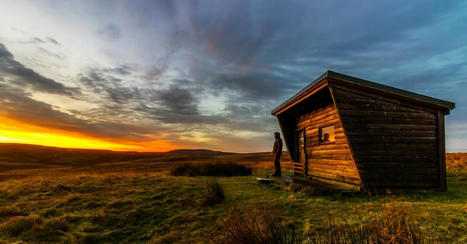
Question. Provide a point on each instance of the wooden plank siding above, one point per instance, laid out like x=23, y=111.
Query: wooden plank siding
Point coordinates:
x=331, y=163
x=394, y=143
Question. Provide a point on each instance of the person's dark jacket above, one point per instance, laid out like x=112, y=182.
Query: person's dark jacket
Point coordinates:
x=277, y=149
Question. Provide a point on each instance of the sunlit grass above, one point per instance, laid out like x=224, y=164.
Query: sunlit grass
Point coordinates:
x=137, y=207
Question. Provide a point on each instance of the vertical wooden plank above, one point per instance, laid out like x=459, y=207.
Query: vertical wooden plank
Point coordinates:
x=442, y=153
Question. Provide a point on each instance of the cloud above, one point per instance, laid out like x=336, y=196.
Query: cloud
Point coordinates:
x=109, y=32
x=104, y=82
x=23, y=76
x=215, y=70
x=50, y=53
x=178, y=100
x=37, y=40
x=177, y=105
x=18, y=105
x=52, y=40
x=120, y=70
x=251, y=86
x=4, y=53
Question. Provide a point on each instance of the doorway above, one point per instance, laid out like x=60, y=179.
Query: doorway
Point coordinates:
x=302, y=150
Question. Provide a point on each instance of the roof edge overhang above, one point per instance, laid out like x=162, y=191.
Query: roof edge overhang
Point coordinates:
x=313, y=86
x=443, y=105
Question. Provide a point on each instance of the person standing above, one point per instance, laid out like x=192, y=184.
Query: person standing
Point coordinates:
x=277, y=152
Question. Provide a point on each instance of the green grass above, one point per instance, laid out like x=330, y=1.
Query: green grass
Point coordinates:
x=137, y=208
x=211, y=169
x=136, y=201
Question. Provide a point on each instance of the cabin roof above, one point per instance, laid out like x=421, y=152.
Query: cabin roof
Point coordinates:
x=364, y=83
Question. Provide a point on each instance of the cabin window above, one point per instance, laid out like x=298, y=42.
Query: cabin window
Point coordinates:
x=326, y=134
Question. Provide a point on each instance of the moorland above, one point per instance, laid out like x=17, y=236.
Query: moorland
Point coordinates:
x=94, y=196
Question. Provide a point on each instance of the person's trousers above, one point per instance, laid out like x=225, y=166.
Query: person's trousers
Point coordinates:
x=277, y=165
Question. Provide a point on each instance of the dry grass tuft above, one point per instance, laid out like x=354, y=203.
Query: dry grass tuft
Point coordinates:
x=262, y=225
x=35, y=228
x=256, y=225
x=393, y=225
x=456, y=161
x=11, y=211
x=214, y=194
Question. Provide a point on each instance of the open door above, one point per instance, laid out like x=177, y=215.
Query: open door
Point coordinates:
x=301, y=167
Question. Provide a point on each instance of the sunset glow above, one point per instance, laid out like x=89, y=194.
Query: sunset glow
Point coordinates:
x=159, y=75
x=15, y=131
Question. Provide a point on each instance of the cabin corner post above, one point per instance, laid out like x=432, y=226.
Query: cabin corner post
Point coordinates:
x=441, y=152
x=336, y=107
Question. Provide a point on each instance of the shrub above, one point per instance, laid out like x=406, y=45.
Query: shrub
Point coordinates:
x=211, y=169
x=214, y=194
x=257, y=225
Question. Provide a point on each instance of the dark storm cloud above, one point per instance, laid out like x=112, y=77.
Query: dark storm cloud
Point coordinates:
x=22, y=76
x=252, y=86
x=249, y=56
x=264, y=53
x=255, y=54
x=306, y=38
x=104, y=82
x=177, y=105
x=4, y=53
x=178, y=100
x=17, y=104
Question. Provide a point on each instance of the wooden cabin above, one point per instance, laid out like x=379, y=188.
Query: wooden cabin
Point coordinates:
x=355, y=134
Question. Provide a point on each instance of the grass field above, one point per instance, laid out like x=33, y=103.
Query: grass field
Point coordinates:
x=138, y=201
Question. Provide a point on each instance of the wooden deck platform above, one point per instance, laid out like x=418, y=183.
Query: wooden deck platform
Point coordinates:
x=319, y=185
x=284, y=178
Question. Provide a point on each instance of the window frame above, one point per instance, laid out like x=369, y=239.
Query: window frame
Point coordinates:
x=320, y=134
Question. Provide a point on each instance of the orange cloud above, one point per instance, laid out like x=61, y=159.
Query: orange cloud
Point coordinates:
x=15, y=131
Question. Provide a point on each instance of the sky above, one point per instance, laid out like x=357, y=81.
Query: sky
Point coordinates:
x=163, y=75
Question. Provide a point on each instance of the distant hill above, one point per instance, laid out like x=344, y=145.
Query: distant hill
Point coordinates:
x=198, y=152
x=34, y=155
x=22, y=160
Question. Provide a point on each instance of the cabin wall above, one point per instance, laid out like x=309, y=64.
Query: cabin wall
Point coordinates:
x=331, y=163
x=394, y=143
